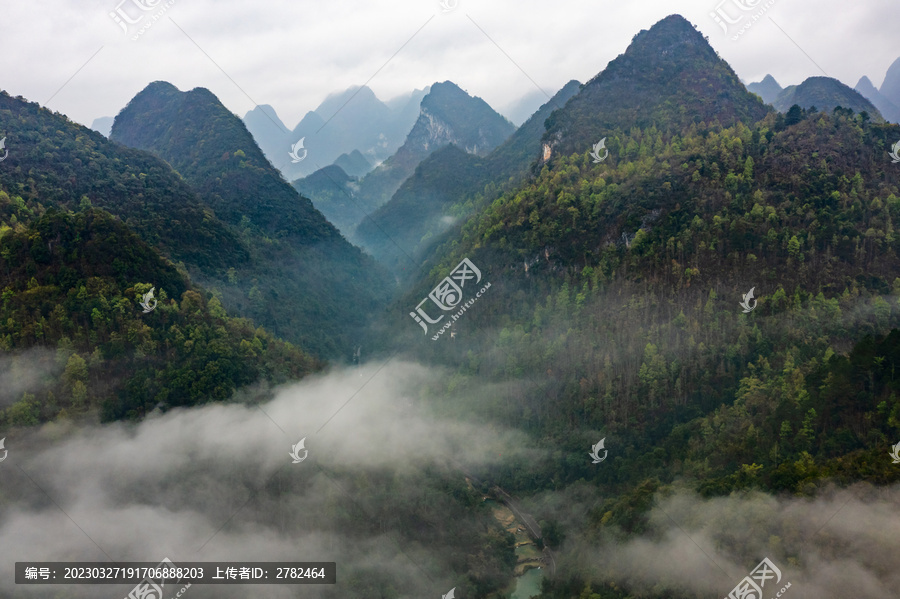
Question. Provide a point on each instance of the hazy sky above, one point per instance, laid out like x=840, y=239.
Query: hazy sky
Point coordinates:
x=292, y=53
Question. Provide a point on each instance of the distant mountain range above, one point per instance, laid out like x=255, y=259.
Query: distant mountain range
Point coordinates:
x=448, y=115
x=521, y=109
x=354, y=163
x=333, y=192
x=888, y=109
x=825, y=93
x=767, y=89
x=103, y=125
x=446, y=186
x=352, y=120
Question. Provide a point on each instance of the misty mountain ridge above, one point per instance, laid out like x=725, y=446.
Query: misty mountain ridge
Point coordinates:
x=613, y=307
x=888, y=109
x=448, y=115
x=825, y=94
x=768, y=89
x=890, y=87
x=354, y=163
x=520, y=110
x=333, y=193
x=103, y=125
x=350, y=120
x=420, y=210
x=267, y=129
x=82, y=244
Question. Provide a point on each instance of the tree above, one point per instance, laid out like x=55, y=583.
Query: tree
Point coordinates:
x=76, y=369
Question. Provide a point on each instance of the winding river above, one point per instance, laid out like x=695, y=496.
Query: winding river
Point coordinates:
x=529, y=570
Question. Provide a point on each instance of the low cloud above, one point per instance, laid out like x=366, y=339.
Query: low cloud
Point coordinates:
x=841, y=544
x=28, y=371
x=217, y=482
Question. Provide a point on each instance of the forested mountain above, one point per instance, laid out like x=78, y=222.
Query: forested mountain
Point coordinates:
x=333, y=191
x=447, y=185
x=62, y=164
x=354, y=163
x=299, y=262
x=887, y=108
x=393, y=232
x=84, y=227
x=669, y=77
x=767, y=89
x=71, y=284
x=716, y=298
x=616, y=290
x=621, y=283
x=448, y=116
x=825, y=94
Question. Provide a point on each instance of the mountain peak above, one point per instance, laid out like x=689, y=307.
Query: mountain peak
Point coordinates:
x=888, y=109
x=448, y=116
x=890, y=88
x=767, y=89
x=160, y=86
x=359, y=95
x=864, y=83
x=665, y=68
x=825, y=93
x=673, y=29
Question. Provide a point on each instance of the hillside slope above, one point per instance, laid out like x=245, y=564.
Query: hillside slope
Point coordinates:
x=71, y=283
x=615, y=312
x=56, y=162
x=300, y=262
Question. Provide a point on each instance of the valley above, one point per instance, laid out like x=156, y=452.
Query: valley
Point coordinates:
x=221, y=337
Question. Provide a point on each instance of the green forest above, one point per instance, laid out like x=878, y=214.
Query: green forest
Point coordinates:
x=616, y=311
